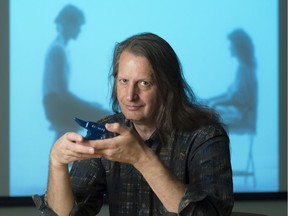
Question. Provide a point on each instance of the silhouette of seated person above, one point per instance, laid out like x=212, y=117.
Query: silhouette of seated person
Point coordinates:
x=237, y=106
x=61, y=105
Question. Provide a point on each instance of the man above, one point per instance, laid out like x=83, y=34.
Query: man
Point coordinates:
x=60, y=103
x=170, y=156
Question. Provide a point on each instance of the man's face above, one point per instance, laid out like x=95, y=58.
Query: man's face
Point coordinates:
x=72, y=30
x=136, y=89
x=233, y=49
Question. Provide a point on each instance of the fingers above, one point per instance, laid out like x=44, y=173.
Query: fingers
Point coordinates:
x=71, y=147
x=119, y=148
x=81, y=150
x=74, y=137
x=81, y=156
x=116, y=128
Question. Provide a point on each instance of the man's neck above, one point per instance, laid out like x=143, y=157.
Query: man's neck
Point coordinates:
x=144, y=131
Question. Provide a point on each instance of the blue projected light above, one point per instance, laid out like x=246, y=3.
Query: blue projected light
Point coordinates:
x=228, y=50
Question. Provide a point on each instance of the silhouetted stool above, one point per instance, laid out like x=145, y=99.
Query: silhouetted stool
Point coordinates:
x=246, y=127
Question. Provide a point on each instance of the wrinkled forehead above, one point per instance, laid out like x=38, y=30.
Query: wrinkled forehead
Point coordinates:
x=139, y=65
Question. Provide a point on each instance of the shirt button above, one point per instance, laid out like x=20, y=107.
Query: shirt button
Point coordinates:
x=143, y=205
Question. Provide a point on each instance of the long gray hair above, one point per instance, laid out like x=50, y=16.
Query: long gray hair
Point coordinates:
x=178, y=107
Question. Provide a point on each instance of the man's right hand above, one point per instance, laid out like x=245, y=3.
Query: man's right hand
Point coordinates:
x=70, y=147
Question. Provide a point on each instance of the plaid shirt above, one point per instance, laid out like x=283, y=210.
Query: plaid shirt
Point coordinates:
x=200, y=159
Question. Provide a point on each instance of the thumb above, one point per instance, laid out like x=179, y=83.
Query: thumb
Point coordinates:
x=116, y=128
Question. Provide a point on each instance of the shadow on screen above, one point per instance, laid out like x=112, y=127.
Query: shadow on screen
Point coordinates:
x=238, y=105
x=61, y=105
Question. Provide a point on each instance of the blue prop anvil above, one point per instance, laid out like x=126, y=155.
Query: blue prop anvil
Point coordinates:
x=94, y=130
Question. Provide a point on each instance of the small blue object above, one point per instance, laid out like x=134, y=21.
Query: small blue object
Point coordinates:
x=94, y=130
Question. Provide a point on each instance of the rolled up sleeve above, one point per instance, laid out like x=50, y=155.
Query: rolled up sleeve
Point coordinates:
x=88, y=186
x=210, y=187
x=42, y=205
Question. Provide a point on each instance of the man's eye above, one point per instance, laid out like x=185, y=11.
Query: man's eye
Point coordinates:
x=145, y=83
x=123, y=81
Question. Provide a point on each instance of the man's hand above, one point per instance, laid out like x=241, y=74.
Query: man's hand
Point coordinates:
x=127, y=147
x=71, y=147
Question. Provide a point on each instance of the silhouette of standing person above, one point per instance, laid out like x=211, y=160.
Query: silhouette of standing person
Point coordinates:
x=60, y=105
x=237, y=106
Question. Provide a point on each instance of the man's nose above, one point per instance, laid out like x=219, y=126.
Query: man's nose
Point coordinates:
x=132, y=92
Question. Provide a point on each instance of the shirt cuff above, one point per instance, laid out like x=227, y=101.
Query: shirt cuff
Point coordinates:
x=190, y=196
x=41, y=204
